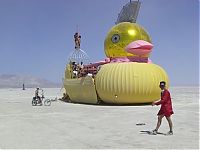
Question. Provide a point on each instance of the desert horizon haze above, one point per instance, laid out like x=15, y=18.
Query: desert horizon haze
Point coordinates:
x=16, y=81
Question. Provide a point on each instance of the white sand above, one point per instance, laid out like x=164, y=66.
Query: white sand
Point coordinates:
x=66, y=125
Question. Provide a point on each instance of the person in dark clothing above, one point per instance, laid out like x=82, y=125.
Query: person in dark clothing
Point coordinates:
x=77, y=40
x=37, y=94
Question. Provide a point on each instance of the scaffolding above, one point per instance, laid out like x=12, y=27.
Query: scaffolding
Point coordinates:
x=78, y=56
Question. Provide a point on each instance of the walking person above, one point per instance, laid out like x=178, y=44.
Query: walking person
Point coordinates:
x=166, y=108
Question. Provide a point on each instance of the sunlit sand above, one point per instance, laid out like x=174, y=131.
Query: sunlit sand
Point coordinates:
x=68, y=125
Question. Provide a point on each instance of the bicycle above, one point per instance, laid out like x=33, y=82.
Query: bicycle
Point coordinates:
x=36, y=100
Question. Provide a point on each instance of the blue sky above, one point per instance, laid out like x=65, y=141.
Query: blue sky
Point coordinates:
x=36, y=36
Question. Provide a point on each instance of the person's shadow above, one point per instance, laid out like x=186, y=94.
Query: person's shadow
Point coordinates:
x=151, y=133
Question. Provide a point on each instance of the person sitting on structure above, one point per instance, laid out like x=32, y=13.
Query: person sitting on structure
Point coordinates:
x=65, y=98
x=77, y=40
x=80, y=70
x=74, y=69
x=81, y=65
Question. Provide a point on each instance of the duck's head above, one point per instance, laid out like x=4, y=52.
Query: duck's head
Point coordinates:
x=127, y=39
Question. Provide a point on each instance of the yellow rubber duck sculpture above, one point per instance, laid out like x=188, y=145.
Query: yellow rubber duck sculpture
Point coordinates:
x=127, y=76
x=130, y=77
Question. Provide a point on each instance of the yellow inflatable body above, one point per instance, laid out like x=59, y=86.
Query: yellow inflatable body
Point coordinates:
x=125, y=83
x=81, y=90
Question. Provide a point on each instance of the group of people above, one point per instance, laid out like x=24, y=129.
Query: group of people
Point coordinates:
x=166, y=109
x=166, y=105
x=79, y=70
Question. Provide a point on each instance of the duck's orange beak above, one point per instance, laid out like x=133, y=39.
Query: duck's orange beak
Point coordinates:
x=139, y=47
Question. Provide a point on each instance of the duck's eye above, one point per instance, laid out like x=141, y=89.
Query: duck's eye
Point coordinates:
x=115, y=38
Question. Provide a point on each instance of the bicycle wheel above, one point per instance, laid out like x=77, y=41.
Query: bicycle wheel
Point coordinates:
x=34, y=103
x=47, y=102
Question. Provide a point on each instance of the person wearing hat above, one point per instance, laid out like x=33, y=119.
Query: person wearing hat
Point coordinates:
x=166, y=108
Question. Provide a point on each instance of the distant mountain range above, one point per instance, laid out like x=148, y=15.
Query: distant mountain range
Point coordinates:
x=16, y=81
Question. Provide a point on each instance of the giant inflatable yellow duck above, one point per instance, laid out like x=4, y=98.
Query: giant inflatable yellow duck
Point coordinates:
x=129, y=77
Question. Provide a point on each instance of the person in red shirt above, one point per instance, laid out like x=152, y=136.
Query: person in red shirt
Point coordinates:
x=166, y=108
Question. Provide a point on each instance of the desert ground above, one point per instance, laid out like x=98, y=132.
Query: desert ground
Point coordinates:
x=81, y=126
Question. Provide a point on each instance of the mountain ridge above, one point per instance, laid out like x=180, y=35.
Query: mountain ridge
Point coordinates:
x=17, y=81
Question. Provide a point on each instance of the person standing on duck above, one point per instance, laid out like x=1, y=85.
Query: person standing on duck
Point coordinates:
x=166, y=108
x=77, y=40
